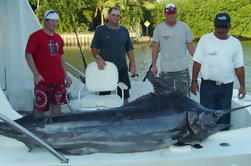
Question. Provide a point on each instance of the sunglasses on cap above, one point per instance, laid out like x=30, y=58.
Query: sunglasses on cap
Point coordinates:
x=168, y=12
x=170, y=9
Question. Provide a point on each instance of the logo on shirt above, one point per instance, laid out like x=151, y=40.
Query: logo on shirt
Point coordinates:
x=166, y=37
x=107, y=36
x=213, y=53
x=53, y=47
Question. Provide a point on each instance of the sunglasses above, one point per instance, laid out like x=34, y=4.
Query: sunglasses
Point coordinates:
x=172, y=11
x=115, y=15
x=222, y=26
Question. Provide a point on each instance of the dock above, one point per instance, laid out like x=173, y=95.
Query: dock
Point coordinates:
x=70, y=39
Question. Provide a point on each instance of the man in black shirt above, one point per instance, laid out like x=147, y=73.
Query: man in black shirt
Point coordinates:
x=112, y=42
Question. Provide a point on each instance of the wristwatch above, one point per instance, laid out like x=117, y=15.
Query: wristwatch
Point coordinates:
x=97, y=56
x=194, y=81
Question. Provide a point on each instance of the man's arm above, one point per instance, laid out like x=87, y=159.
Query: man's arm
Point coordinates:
x=94, y=52
x=63, y=64
x=100, y=61
x=95, y=45
x=67, y=78
x=32, y=66
x=240, y=73
x=195, y=73
x=190, y=48
x=132, y=64
x=155, y=52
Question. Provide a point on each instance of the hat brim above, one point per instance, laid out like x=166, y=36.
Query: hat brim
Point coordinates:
x=52, y=16
x=221, y=23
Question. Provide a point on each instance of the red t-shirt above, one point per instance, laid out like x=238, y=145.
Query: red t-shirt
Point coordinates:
x=46, y=51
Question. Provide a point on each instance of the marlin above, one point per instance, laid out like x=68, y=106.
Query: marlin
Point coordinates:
x=153, y=121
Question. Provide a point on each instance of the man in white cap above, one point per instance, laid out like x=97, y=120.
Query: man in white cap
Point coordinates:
x=44, y=55
x=172, y=39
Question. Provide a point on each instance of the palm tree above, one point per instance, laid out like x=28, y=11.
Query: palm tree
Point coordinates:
x=133, y=13
x=102, y=8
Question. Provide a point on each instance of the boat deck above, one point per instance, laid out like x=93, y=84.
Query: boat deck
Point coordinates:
x=237, y=153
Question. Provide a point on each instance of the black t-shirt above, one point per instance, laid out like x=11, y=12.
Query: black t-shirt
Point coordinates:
x=113, y=44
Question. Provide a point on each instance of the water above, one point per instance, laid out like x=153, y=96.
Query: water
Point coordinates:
x=143, y=59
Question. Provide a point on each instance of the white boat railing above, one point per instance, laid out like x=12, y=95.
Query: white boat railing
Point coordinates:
x=23, y=130
x=75, y=69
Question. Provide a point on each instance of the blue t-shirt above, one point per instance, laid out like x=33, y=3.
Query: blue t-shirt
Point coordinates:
x=113, y=44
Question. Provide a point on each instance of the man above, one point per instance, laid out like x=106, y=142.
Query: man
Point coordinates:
x=44, y=56
x=218, y=55
x=172, y=39
x=112, y=42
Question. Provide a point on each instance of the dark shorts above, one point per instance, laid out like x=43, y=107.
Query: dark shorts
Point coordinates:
x=123, y=77
x=46, y=94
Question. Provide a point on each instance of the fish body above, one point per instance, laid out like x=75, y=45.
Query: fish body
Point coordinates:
x=153, y=121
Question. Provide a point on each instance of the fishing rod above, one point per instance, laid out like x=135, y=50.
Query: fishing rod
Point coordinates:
x=245, y=27
x=75, y=31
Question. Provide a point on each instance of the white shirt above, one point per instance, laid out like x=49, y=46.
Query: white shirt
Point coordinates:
x=218, y=58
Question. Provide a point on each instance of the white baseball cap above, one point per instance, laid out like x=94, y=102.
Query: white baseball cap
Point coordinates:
x=51, y=14
x=170, y=8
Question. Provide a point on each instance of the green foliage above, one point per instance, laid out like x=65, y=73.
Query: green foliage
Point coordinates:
x=198, y=14
x=81, y=11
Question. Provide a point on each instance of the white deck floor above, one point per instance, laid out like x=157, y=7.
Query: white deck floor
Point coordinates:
x=237, y=154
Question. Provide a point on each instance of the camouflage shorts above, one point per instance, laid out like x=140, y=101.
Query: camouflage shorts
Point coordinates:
x=180, y=80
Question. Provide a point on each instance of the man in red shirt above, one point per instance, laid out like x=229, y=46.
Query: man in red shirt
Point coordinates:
x=44, y=55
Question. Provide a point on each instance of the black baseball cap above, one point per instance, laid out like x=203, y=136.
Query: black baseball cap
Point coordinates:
x=222, y=19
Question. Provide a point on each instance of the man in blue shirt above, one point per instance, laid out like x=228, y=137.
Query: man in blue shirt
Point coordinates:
x=112, y=42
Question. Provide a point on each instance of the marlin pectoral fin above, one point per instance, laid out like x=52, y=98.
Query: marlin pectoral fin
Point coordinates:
x=30, y=146
x=219, y=127
x=204, y=134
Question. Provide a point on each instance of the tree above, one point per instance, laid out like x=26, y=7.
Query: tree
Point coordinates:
x=102, y=7
x=198, y=14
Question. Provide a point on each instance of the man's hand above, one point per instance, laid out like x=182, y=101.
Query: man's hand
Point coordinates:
x=38, y=78
x=194, y=88
x=190, y=48
x=242, y=93
x=240, y=73
x=68, y=80
x=132, y=68
x=101, y=63
x=154, y=70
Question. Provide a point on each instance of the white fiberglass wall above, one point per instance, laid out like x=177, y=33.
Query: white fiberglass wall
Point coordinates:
x=17, y=22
